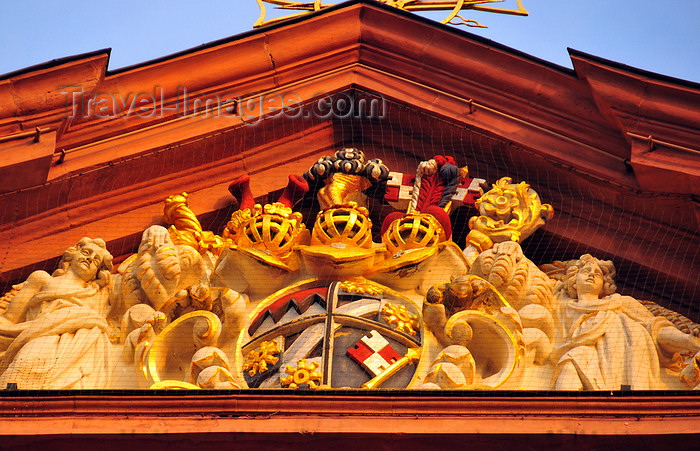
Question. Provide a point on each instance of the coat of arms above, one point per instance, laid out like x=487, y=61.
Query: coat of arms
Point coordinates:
x=319, y=291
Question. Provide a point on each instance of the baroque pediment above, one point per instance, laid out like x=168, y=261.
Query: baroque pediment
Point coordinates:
x=615, y=164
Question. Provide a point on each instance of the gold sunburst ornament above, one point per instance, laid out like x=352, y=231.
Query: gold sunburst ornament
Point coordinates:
x=304, y=373
x=454, y=7
x=398, y=314
x=360, y=285
x=258, y=360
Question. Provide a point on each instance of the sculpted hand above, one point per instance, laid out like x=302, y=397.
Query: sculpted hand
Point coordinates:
x=140, y=325
x=508, y=248
x=673, y=340
x=155, y=237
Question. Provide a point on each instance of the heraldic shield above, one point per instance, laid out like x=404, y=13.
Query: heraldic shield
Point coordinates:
x=317, y=334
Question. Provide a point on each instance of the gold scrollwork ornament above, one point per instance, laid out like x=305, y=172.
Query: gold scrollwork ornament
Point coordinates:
x=508, y=212
x=186, y=229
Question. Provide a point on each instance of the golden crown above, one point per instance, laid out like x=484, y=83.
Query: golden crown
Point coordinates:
x=343, y=225
x=413, y=231
x=273, y=228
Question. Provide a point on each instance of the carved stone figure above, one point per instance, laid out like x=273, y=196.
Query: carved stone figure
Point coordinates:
x=61, y=337
x=157, y=272
x=610, y=341
x=514, y=275
x=462, y=293
x=280, y=302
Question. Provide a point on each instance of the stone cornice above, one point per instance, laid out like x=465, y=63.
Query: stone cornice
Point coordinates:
x=386, y=413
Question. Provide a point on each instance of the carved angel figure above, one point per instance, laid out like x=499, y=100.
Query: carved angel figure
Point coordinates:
x=57, y=326
x=610, y=340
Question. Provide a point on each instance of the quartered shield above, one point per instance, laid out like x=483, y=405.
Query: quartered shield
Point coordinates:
x=338, y=335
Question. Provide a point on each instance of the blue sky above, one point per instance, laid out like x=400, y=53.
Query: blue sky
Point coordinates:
x=661, y=36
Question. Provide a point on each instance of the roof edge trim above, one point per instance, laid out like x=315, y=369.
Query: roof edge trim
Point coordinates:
x=573, y=53
x=330, y=9
x=57, y=62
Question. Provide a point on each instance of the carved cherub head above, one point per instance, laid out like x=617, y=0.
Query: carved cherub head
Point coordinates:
x=89, y=260
x=590, y=275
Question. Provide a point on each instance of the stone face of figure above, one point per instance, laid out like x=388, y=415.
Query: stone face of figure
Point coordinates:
x=609, y=341
x=589, y=280
x=57, y=326
x=87, y=261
